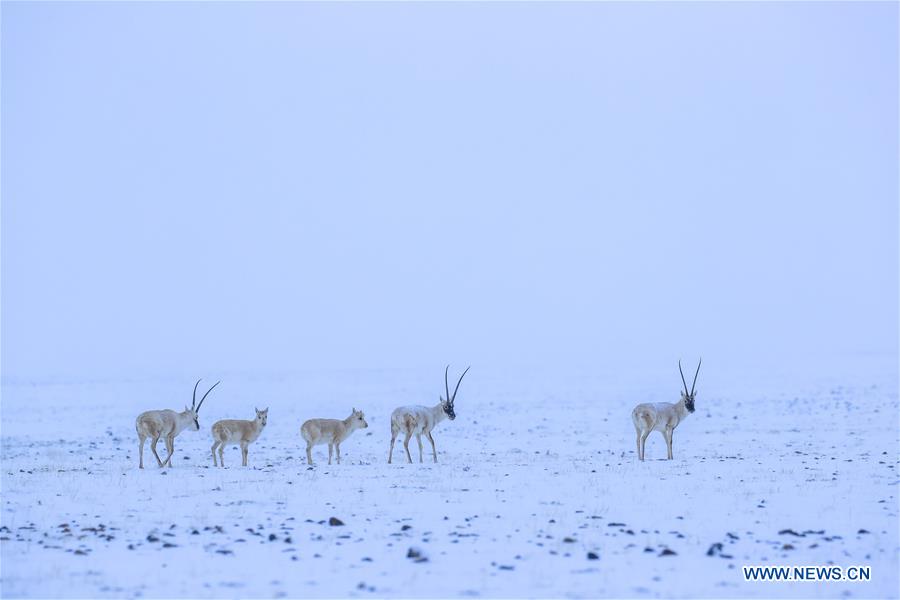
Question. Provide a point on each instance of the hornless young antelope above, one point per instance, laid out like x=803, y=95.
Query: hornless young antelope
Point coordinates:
x=331, y=432
x=155, y=424
x=663, y=416
x=418, y=420
x=232, y=431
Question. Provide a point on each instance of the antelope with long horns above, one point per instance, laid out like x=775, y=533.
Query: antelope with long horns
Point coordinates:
x=234, y=431
x=419, y=420
x=167, y=424
x=663, y=417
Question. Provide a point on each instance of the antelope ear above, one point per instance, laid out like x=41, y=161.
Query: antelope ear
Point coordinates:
x=186, y=408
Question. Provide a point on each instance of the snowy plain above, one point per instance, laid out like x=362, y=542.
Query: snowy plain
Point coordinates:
x=537, y=476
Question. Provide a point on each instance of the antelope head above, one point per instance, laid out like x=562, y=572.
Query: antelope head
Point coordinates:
x=194, y=410
x=358, y=419
x=686, y=396
x=447, y=403
x=262, y=416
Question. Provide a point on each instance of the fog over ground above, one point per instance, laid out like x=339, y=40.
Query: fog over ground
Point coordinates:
x=192, y=189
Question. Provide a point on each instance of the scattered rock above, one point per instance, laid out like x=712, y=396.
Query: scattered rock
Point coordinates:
x=714, y=549
x=667, y=552
x=335, y=522
x=416, y=555
x=790, y=532
x=593, y=556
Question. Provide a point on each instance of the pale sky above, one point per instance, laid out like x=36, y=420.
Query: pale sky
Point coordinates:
x=195, y=187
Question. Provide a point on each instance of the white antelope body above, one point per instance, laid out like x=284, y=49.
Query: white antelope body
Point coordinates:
x=331, y=432
x=419, y=420
x=234, y=431
x=155, y=424
x=663, y=417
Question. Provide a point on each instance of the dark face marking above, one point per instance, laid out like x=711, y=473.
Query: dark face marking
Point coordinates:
x=448, y=409
x=689, y=402
x=196, y=424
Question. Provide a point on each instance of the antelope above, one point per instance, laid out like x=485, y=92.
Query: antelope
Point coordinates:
x=232, y=431
x=155, y=424
x=331, y=432
x=663, y=417
x=418, y=420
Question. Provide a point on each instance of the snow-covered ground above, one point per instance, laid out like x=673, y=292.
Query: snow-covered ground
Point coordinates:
x=537, y=472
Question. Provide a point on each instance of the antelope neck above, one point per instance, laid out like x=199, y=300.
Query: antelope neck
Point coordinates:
x=682, y=409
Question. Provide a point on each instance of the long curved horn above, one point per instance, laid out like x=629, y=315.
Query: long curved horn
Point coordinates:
x=446, y=385
x=695, y=376
x=205, y=395
x=459, y=382
x=682, y=376
x=194, y=401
